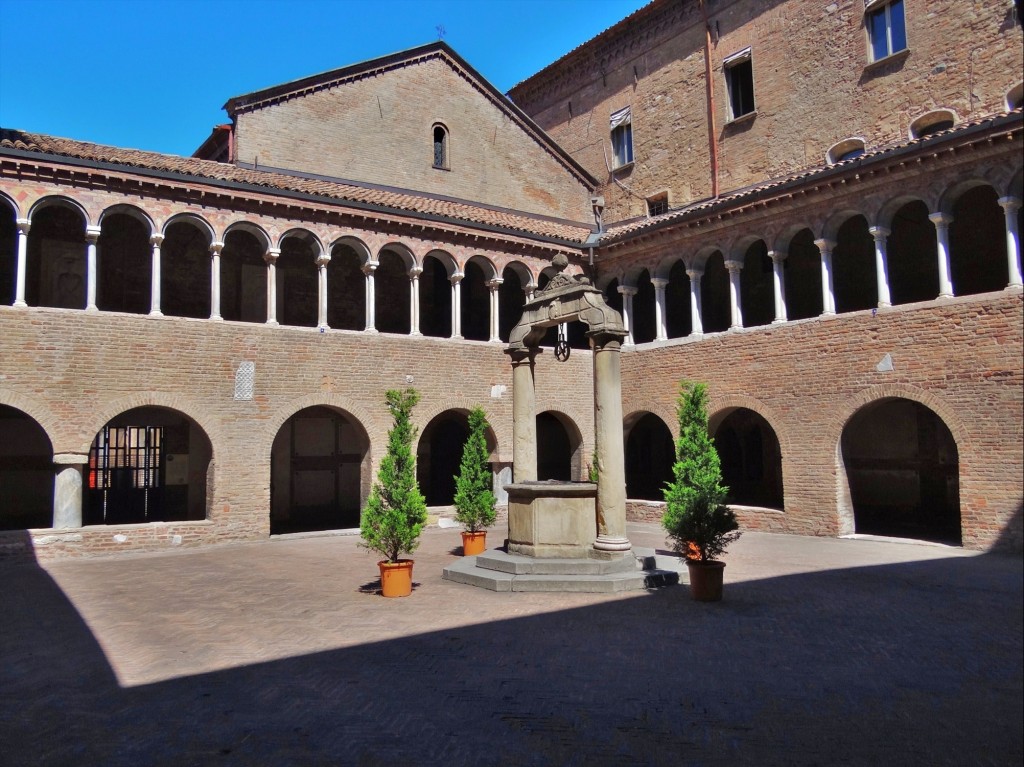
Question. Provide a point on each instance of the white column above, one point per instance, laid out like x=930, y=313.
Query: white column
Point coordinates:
x=660, y=327
x=154, y=280
x=778, y=258
x=215, y=249
x=828, y=293
x=627, y=292
x=270, y=257
x=321, y=267
x=529, y=289
x=414, y=300
x=92, y=234
x=67, y=490
x=880, y=233
x=735, y=295
x=942, y=222
x=457, y=304
x=23, y=225
x=1010, y=206
x=696, y=326
x=371, y=296
x=495, y=335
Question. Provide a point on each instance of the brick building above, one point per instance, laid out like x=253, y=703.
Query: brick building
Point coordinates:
x=815, y=207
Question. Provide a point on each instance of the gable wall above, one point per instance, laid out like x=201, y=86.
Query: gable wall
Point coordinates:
x=812, y=88
x=379, y=130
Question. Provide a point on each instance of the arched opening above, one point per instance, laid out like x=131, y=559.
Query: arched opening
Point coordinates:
x=185, y=265
x=802, y=269
x=346, y=289
x=511, y=299
x=319, y=472
x=124, y=265
x=26, y=472
x=435, y=299
x=441, y=159
x=757, y=292
x=298, y=284
x=650, y=453
x=913, y=260
x=439, y=455
x=391, y=283
x=476, y=303
x=902, y=468
x=977, y=243
x=678, y=319
x=55, y=272
x=853, y=266
x=714, y=295
x=558, y=447
x=643, y=328
x=149, y=464
x=751, y=458
x=243, y=278
x=8, y=255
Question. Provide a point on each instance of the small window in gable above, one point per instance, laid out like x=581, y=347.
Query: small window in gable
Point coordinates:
x=1015, y=98
x=847, y=149
x=440, y=147
x=932, y=122
x=887, y=29
x=657, y=204
x=621, y=124
x=739, y=77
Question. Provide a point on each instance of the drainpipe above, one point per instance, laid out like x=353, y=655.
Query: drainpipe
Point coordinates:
x=710, y=88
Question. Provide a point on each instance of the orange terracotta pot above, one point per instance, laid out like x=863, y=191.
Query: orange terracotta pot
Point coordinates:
x=706, y=580
x=474, y=543
x=395, y=578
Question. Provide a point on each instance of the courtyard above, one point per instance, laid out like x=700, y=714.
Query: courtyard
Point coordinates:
x=825, y=652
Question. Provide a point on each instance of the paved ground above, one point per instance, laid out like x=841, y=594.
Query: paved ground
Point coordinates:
x=825, y=652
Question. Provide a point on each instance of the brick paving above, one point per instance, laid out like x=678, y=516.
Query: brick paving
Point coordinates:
x=824, y=652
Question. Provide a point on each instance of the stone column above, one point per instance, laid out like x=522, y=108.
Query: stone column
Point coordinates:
x=778, y=258
x=735, y=295
x=155, y=283
x=371, y=296
x=67, y=489
x=611, y=454
x=828, y=294
x=92, y=234
x=495, y=334
x=1010, y=206
x=23, y=225
x=215, y=249
x=696, y=325
x=456, y=279
x=942, y=222
x=627, y=292
x=270, y=257
x=529, y=289
x=880, y=233
x=524, y=415
x=414, y=300
x=660, y=326
x=321, y=267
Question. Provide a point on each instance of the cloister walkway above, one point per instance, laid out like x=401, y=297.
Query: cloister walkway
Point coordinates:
x=824, y=652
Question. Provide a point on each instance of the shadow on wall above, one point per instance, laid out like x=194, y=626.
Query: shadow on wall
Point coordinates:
x=773, y=675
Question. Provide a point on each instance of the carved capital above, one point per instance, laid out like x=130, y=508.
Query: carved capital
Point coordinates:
x=216, y=247
x=156, y=240
x=23, y=225
x=272, y=255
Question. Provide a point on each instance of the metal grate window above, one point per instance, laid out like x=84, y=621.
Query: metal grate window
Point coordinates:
x=126, y=457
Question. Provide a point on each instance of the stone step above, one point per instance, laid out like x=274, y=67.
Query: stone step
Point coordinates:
x=466, y=571
x=516, y=564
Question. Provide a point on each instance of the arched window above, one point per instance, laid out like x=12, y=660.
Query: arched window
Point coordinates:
x=1015, y=97
x=440, y=147
x=932, y=122
x=847, y=149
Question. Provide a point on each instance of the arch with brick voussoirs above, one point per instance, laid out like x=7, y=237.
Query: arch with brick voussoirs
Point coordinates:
x=28, y=434
x=443, y=429
x=650, y=452
x=561, y=447
x=943, y=419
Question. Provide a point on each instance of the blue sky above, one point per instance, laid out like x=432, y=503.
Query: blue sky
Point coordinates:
x=154, y=74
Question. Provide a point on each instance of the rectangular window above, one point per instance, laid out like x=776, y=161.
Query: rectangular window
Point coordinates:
x=657, y=205
x=739, y=77
x=622, y=137
x=887, y=30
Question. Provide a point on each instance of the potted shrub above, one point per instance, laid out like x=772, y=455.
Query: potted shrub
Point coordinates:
x=699, y=524
x=396, y=511
x=474, y=495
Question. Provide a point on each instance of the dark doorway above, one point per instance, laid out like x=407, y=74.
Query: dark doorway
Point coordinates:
x=317, y=472
x=751, y=459
x=650, y=453
x=124, y=265
x=439, y=456
x=902, y=467
x=26, y=472
x=554, y=448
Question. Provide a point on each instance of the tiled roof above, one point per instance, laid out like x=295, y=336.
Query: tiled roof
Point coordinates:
x=627, y=228
x=398, y=201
